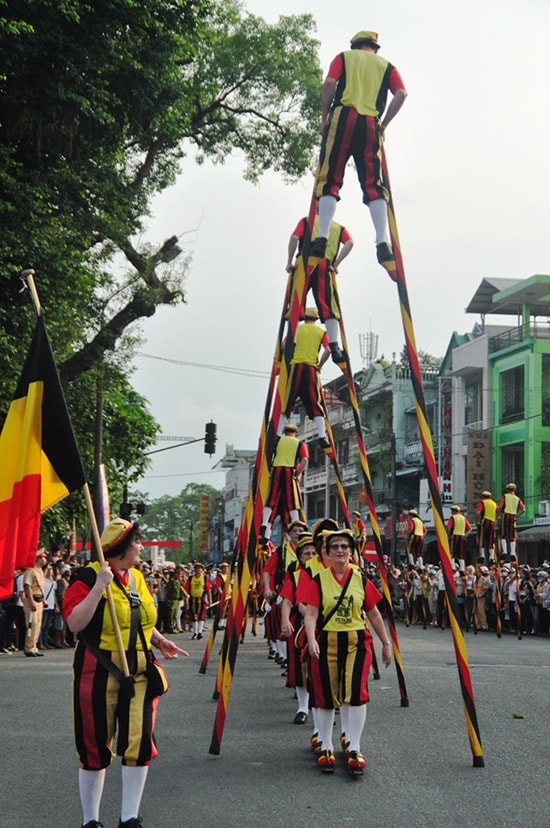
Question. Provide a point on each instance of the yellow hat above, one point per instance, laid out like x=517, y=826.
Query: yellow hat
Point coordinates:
x=311, y=313
x=305, y=539
x=291, y=427
x=413, y=512
x=294, y=523
x=455, y=509
x=114, y=533
x=510, y=485
x=486, y=494
x=371, y=37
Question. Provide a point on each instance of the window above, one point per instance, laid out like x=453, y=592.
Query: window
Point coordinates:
x=472, y=407
x=512, y=465
x=545, y=390
x=512, y=389
x=342, y=451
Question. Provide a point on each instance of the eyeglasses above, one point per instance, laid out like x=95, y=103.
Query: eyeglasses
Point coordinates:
x=339, y=546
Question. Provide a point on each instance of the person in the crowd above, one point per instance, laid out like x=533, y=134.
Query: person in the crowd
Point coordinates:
x=33, y=603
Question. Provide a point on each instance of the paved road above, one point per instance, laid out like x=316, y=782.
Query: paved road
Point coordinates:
x=419, y=774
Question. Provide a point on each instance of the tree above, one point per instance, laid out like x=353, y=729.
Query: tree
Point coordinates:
x=426, y=361
x=177, y=518
x=99, y=102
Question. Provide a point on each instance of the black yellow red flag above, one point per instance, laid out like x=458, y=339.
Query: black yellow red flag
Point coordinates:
x=40, y=461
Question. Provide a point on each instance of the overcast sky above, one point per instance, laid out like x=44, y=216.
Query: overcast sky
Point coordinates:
x=469, y=166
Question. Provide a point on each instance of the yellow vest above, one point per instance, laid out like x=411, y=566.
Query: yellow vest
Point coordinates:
x=287, y=451
x=489, y=509
x=365, y=73
x=349, y=615
x=511, y=502
x=308, y=342
x=197, y=585
x=459, y=525
x=147, y=612
x=334, y=236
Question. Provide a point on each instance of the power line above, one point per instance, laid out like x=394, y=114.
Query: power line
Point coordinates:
x=243, y=372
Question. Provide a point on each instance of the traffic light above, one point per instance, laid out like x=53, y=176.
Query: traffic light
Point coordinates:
x=210, y=438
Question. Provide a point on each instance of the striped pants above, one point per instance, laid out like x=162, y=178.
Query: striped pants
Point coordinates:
x=339, y=676
x=350, y=134
x=100, y=709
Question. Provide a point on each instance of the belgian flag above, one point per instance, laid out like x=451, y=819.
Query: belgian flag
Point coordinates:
x=39, y=460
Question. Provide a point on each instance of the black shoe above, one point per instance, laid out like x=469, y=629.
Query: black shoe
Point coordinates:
x=199, y=636
x=300, y=718
x=32, y=654
x=336, y=353
x=135, y=822
x=384, y=253
x=93, y=823
x=318, y=247
x=323, y=443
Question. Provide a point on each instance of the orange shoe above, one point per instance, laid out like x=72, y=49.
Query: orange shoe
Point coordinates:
x=356, y=763
x=326, y=761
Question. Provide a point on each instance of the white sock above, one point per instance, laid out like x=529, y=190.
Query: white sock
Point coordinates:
x=201, y=627
x=344, y=720
x=327, y=209
x=133, y=783
x=315, y=720
x=90, y=785
x=281, y=649
x=332, y=327
x=356, y=716
x=379, y=214
x=303, y=699
x=321, y=428
x=325, y=720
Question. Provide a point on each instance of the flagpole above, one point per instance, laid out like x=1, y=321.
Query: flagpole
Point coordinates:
x=27, y=277
x=110, y=599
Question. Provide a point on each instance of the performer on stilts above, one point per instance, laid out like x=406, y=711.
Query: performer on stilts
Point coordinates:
x=284, y=498
x=304, y=379
x=487, y=512
x=321, y=279
x=353, y=120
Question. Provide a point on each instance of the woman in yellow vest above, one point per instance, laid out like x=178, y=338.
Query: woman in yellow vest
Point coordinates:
x=100, y=704
x=339, y=646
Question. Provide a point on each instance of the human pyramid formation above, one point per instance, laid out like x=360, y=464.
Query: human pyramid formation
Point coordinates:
x=320, y=606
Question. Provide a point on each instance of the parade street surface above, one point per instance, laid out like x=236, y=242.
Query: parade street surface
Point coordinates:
x=419, y=764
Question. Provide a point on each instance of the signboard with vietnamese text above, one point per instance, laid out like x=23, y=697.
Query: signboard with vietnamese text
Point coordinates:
x=446, y=442
x=478, y=469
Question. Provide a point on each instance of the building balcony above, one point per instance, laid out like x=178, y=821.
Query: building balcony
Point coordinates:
x=515, y=336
